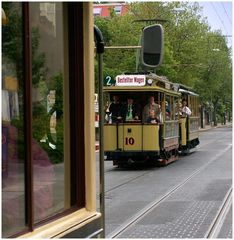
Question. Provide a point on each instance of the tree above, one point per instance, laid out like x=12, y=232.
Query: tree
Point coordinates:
x=188, y=48
x=216, y=76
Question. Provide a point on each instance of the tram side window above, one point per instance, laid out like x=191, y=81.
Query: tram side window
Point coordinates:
x=13, y=144
x=196, y=106
x=48, y=123
x=168, y=108
x=43, y=155
x=193, y=104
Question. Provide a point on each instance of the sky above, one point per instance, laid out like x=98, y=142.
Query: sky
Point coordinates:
x=219, y=16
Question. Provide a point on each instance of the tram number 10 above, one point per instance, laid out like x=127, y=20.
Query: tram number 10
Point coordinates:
x=129, y=141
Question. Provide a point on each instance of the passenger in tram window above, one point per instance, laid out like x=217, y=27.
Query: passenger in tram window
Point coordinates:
x=151, y=110
x=178, y=110
x=114, y=110
x=185, y=109
x=130, y=111
x=152, y=117
x=167, y=112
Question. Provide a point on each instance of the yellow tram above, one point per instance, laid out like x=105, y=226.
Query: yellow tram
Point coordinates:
x=189, y=126
x=157, y=142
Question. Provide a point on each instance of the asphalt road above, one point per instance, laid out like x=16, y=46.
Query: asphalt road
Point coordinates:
x=189, y=210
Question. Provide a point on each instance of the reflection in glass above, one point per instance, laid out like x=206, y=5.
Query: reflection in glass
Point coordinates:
x=13, y=146
x=47, y=79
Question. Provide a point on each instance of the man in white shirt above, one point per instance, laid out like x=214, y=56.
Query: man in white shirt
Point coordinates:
x=185, y=109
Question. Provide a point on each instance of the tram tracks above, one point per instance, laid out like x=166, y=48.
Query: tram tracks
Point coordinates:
x=218, y=221
x=150, y=207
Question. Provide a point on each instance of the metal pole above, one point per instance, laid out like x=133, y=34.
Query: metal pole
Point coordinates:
x=101, y=150
x=100, y=51
x=121, y=47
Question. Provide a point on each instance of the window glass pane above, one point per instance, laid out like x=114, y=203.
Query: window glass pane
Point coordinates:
x=168, y=105
x=118, y=9
x=97, y=11
x=46, y=21
x=13, y=146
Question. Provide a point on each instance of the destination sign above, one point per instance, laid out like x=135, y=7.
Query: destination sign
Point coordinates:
x=130, y=80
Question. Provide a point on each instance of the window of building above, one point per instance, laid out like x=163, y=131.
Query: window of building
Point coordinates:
x=118, y=10
x=97, y=11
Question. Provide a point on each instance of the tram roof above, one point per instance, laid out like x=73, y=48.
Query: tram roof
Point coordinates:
x=158, y=83
x=185, y=89
x=139, y=89
x=188, y=92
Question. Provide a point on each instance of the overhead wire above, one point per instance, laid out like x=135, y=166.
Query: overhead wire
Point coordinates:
x=218, y=16
x=212, y=4
x=226, y=13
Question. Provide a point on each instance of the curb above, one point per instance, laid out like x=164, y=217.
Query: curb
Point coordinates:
x=212, y=127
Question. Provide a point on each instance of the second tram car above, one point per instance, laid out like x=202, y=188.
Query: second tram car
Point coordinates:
x=157, y=141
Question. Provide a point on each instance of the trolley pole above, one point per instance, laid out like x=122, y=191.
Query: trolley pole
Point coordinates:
x=100, y=51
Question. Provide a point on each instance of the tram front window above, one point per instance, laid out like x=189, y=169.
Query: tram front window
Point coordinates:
x=133, y=107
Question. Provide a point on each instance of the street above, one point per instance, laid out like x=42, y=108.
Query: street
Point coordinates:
x=180, y=200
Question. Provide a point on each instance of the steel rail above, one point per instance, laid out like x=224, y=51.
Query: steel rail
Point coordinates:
x=218, y=221
x=155, y=203
x=128, y=181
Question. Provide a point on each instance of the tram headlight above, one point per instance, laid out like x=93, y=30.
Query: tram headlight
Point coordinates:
x=149, y=81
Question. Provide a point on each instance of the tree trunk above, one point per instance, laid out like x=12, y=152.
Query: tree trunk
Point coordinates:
x=214, y=116
x=202, y=125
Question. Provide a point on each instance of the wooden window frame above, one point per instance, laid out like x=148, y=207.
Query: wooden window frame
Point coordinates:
x=76, y=77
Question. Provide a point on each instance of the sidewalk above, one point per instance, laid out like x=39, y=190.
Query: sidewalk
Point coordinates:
x=208, y=127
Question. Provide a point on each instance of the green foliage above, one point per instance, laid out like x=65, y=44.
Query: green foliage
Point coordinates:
x=13, y=52
x=41, y=121
x=12, y=38
x=189, y=48
x=39, y=70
